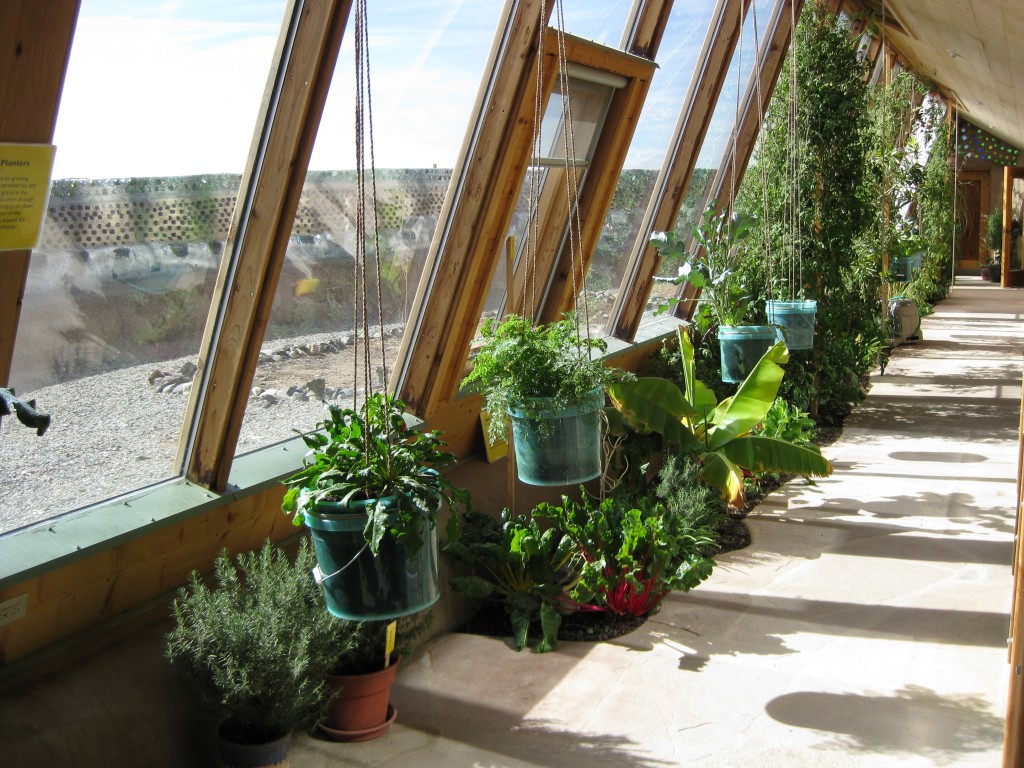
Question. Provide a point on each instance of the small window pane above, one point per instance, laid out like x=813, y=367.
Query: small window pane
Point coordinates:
x=426, y=61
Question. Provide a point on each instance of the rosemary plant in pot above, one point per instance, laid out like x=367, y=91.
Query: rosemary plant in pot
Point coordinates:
x=724, y=300
x=547, y=379
x=256, y=647
x=370, y=490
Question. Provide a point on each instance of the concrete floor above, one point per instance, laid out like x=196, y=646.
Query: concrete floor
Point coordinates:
x=865, y=626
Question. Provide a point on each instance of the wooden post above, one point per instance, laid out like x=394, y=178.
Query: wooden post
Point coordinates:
x=35, y=43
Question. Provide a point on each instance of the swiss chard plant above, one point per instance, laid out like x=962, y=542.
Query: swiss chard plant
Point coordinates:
x=512, y=559
x=634, y=552
x=720, y=435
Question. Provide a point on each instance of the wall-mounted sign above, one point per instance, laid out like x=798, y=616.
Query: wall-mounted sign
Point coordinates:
x=24, y=190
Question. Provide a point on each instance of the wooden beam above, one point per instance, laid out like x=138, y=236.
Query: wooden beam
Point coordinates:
x=478, y=208
x=1013, y=744
x=267, y=200
x=35, y=44
x=674, y=177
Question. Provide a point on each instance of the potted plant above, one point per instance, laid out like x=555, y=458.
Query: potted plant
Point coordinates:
x=361, y=677
x=370, y=490
x=724, y=300
x=256, y=647
x=547, y=379
x=994, y=241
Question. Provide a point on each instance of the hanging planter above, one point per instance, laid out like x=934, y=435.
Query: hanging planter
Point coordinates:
x=741, y=347
x=559, y=446
x=360, y=585
x=793, y=321
x=546, y=379
x=372, y=505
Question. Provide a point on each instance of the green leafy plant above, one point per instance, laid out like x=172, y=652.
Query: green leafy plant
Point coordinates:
x=718, y=434
x=370, y=454
x=512, y=559
x=366, y=650
x=994, y=232
x=536, y=368
x=257, y=645
x=634, y=551
x=25, y=410
x=724, y=296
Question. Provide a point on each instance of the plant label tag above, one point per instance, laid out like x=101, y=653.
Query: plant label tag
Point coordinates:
x=389, y=641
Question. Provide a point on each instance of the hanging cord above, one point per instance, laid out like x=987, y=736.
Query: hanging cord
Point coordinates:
x=529, y=298
x=762, y=160
x=572, y=183
x=364, y=131
x=735, y=123
x=956, y=171
x=796, y=239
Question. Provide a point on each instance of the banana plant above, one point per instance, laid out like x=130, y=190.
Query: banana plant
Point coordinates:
x=691, y=420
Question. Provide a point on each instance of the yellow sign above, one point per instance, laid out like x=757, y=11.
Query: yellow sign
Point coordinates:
x=496, y=450
x=24, y=190
x=389, y=642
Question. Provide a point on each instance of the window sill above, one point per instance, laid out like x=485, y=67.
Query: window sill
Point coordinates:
x=49, y=545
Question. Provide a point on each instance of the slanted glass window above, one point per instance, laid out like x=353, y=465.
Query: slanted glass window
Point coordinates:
x=706, y=183
x=676, y=60
x=154, y=128
x=539, y=230
x=424, y=76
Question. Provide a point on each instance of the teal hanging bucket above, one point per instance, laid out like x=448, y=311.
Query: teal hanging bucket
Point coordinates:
x=741, y=347
x=793, y=321
x=559, y=447
x=361, y=587
x=904, y=268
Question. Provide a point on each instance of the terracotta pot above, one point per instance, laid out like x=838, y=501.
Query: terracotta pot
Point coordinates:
x=362, y=710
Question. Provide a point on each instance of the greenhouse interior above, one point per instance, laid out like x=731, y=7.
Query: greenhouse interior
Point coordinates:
x=625, y=347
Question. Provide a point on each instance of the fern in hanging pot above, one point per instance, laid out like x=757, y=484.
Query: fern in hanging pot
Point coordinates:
x=370, y=491
x=549, y=380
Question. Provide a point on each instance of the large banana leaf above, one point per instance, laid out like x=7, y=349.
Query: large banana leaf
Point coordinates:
x=770, y=454
x=653, y=404
x=721, y=474
x=748, y=407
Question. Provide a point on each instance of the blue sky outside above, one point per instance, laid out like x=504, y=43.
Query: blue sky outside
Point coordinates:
x=162, y=89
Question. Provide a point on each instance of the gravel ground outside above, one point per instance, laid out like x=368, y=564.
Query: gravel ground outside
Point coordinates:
x=115, y=432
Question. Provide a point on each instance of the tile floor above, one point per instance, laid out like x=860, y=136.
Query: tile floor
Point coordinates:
x=865, y=626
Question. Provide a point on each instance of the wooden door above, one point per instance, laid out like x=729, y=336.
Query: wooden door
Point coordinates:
x=969, y=215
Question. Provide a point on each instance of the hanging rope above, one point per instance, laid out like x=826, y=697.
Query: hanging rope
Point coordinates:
x=364, y=141
x=795, y=252
x=762, y=160
x=537, y=175
x=571, y=179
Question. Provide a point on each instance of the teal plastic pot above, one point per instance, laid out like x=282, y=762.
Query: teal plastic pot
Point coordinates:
x=559, y=447
x=793, y=321
x=904, y=267
x=741, y=347
x=359, y=586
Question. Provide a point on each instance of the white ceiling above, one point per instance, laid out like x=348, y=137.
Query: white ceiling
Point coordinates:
x=974, y=49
